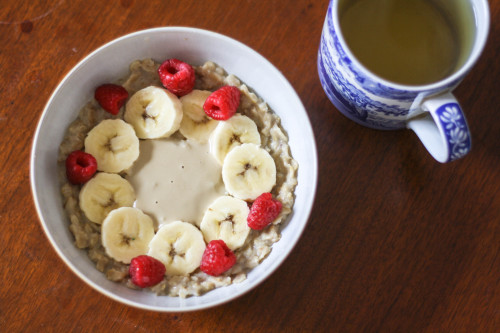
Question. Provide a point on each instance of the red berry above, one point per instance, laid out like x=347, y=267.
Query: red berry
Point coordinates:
x=217, y=258
x=177, y=76
x=111, y=97
x=80, y=167
x=264, y=210
x=146, y=271
x=222, y=103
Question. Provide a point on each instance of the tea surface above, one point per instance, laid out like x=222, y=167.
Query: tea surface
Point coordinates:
x=411, y=42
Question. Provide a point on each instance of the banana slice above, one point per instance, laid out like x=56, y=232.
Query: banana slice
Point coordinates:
x=126, y=233
x=226, y=219
x=153, y=112
x=114, y=145
x=248, y=171
x=195, y=124
x=231, y=133
x=179, y=246
x=103, y=193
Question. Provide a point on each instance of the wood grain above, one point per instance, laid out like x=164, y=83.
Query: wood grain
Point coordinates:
x=396, y=242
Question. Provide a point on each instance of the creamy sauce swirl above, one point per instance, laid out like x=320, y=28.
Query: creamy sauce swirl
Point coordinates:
x=175, y=180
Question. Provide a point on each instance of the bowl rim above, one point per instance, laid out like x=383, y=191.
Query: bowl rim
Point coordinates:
x=277, y=263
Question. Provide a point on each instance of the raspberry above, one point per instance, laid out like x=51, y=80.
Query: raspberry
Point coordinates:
x=80, y=167
x=222, y=103
x=264, y=210
x=217, y=258
x=146, y=271
x=111, y=97
x=177, y=76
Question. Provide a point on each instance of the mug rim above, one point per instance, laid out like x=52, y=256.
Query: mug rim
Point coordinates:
x=479, y=42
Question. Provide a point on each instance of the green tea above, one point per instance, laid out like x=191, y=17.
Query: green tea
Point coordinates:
x=411, y=42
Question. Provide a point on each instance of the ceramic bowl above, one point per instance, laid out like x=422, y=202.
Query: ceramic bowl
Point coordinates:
x=110, y=62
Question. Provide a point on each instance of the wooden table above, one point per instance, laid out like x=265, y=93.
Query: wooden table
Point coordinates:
x=396, y=241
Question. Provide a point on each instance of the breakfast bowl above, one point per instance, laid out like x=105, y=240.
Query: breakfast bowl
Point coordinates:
x=111, y=61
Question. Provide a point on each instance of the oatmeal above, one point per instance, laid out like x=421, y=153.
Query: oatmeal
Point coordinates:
x=162, y=197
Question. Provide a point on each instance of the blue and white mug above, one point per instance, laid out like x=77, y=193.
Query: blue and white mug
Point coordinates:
x=430, y=110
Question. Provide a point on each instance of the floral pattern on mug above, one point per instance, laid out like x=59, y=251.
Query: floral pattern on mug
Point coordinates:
x=455, y=129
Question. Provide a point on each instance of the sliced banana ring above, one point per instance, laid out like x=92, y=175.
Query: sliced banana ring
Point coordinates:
x=114, y=145
x=195, y=124
x=103, y=193
x=179, y=246
x=126, y=233
x=153, y=112
x=237, y=130
x=248, y=171
x=226, y=219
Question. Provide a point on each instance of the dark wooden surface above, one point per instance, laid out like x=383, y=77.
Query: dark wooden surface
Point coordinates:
x=396, y=241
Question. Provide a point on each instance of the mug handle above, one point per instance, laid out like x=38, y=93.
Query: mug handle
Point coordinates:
x=442, y=128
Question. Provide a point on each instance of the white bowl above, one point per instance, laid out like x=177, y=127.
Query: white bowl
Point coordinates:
x=110, y=62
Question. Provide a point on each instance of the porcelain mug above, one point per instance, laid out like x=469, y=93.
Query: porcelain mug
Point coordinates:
x=430, y=110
